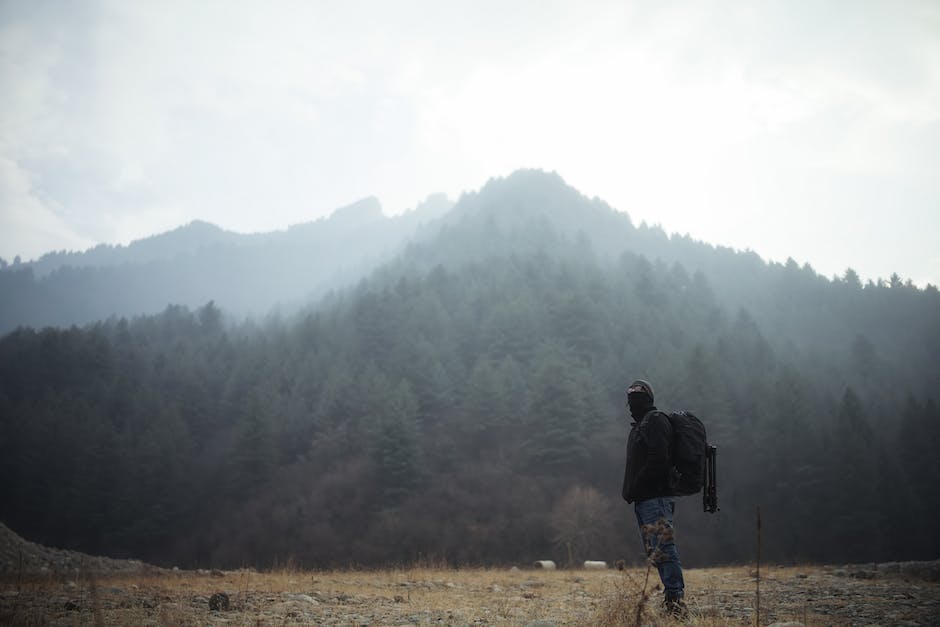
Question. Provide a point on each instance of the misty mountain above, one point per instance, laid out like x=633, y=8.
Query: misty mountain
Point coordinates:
x=536, y=213
x=244, y=274
x=165, y=246
x=461, y=400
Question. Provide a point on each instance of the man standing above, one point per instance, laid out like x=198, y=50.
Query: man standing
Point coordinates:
x=649, y=482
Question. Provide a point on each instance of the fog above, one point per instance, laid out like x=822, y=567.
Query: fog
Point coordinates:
x=463, y=395
x=363, y=285
x=792, y=129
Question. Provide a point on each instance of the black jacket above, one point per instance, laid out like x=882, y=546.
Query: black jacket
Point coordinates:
x=649, y=473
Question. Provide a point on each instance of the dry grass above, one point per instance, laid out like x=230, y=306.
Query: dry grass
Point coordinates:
x=431, y=595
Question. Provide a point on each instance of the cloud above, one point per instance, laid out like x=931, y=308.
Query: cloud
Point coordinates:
x=720, y=119
x=26, y=224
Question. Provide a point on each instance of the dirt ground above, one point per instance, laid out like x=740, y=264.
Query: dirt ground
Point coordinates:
x=429, y=596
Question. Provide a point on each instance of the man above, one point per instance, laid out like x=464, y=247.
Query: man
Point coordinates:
x=649, y=480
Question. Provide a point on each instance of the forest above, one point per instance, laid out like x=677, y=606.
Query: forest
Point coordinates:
x=463, y=402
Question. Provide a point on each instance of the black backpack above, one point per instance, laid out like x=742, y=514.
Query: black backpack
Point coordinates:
x=688, y=452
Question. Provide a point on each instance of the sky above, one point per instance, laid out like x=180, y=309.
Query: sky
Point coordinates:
x=800, y=129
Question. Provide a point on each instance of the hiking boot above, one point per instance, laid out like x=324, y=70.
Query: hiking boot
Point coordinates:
x=675, y=608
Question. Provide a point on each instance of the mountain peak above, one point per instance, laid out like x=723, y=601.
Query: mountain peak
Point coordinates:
x=529, y=181
x=361, y=212
x=533, y=194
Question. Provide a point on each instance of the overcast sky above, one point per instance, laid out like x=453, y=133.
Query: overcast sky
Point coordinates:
x=795, y=129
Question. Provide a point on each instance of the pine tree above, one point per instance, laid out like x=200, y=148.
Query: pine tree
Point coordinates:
x=396, y=448
x=556, y=418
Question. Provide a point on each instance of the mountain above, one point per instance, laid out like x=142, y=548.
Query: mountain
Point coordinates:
x=182, y=240
x=197, y=263
x=464, y=401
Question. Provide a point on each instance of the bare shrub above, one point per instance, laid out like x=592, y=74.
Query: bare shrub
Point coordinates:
x=578, y=522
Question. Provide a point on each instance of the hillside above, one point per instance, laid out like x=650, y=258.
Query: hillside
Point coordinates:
x=244, y=274
x=466, y=400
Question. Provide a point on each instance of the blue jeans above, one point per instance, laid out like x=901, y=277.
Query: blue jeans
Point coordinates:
x=655, y=519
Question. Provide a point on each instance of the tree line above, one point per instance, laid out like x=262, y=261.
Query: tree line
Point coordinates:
x=465, y=403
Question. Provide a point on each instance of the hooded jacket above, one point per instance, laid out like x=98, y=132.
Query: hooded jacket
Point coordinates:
x=648, y=473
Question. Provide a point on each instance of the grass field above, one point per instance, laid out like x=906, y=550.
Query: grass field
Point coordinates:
x=443, y=596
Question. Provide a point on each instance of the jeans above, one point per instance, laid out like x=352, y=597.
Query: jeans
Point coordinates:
x=655, y=519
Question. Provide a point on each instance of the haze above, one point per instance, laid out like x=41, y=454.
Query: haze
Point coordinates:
x=795, y=129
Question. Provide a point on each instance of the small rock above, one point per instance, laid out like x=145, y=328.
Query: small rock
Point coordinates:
x=302, y=598
x=219, y=602
x=215, y=572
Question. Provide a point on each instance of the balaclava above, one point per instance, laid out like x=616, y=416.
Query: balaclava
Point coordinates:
x=640, y=399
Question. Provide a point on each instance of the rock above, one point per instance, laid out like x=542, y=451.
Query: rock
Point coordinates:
x=928, y=571
x=285, y=608
x=215, y=572
x=787, y=624
x=302, y=598
x=863, y=574
x=219, y=602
